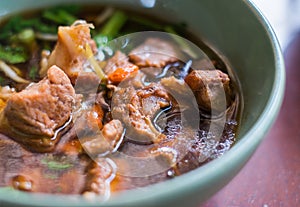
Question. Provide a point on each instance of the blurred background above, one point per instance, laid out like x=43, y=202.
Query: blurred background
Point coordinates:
x=272, y=176
x=284, y=16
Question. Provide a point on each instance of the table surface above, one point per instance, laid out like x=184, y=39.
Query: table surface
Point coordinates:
x=272, y=176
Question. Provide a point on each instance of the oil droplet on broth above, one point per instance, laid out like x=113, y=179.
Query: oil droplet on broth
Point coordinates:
x=21, y=182
x=171, y=173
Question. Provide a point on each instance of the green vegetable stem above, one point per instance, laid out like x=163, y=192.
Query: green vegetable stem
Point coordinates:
x=111, y=29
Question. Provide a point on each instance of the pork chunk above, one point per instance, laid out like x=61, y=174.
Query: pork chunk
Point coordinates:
x=154, y=52
x=40, y=109
x=211, y=89
x=137, y=108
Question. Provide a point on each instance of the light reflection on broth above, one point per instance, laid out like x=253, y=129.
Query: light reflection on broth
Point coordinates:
x=125, y=113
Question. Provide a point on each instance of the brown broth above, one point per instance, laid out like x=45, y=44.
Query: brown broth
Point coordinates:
x=64, y=170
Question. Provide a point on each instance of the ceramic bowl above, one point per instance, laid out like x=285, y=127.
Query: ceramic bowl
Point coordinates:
x=240, y=32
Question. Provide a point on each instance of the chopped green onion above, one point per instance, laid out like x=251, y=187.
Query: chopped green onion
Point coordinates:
x=17, y=24
x=59, y=16
x=13, y=55
x=44, y=28
x=101, y=39
x=54, y=164
x=26, y=36
x=111, y=29
x=114, y=24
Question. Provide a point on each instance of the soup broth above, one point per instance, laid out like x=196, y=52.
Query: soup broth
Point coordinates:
x=80, y=115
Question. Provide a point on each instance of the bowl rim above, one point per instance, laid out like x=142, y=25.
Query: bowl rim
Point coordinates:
x=173, y=187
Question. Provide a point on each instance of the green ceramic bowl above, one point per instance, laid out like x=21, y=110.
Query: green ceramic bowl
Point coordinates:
x=242, y=34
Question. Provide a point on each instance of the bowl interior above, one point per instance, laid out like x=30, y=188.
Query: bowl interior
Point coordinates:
x=244, y=37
